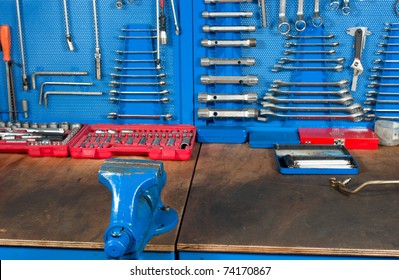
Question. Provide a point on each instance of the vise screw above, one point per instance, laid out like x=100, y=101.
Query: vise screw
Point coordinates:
x=137, y=212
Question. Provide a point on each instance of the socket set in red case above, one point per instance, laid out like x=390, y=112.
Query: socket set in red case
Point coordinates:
x=37, y=140
x=159, y=142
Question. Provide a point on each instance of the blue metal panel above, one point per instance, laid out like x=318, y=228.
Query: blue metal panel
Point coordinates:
x=37, y=253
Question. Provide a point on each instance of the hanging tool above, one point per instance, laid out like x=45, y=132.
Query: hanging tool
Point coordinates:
x=262, y=7
x=360, y=34
x=98, y=51
x=21, y=43
x=162, y=24
x=5, y=41
x=68, y=33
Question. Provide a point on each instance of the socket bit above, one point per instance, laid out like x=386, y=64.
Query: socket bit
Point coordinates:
x=247, y=61
x=250, y=97
x=249, y=43
x=206, y=113
x=225, y=28
x=249, y=80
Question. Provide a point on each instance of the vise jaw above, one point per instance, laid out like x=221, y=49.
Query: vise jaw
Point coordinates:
x=137, y=212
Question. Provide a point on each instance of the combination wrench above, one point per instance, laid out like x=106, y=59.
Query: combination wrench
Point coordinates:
x=346, y=8
x=166, y=117
x=317, y=20
x=283, y=26
x=340, y=84
x=343, y=93
x=279, y=67
x=290, y=44
x=287, y=52
x=373, y=101
x=352, y=109
x=356, y=117
x=289, y=36
x=300, y=23
x=227, y=14
x=286, y=60
x=375, y=93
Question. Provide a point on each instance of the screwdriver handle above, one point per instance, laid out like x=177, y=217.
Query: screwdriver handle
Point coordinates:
x=5, y=39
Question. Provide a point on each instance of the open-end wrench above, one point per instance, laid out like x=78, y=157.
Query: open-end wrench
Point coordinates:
x=249, y=97
x=340, y=84
x=379, y=77
x=373, y=101
x=317, y=20
x=207, y=113
x=246, y=61
x=68, y=33
x=356, y=117
x=367, y=110
x=346, y=100
x=370, y=117
x=155, y=76
x=375, y=93
x=225, y=28
x=117, y=84
x=341, y=93
x=289, y=36
x=285, y=60
x=166, y=117
x=163, y=100
x=290, y=44
x=283, y=25
x=379, y=69
x=376, y=85
x=249, y=43
x=300, y=23
x=352, y=109
x=309, y=52
x=227, y=14
x=278, y=68
x=334, y=5
x=117, y=92
x=249, y=80
x=381, y=52
x=21, y=44
x=379, y=61
x=385, y=45
x=346, y=10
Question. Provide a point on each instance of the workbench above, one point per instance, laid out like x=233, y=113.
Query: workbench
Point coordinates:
x=55, y=208
x=239, y=207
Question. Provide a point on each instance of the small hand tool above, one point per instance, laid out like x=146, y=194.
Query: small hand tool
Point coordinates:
x=207, y=113
x=310, y=52
x=158, y=27
x=68, y=33
x=360, y=34
x=285, y=60
x=341, y=93
x=262, y=8
x=280, y=83
x=162, y=75
x=289, y=36
x=373, y=101
x=349, y=110
x=58, y=84
x=159, y=100
x=25, y=108
x=46, y=94
x=118, y=84
x=317, y=20
x=245, y=61
x=300, y=23
x=249, y=80
x=375, y=93
x=346, y=10
x=226, y=1
x=97, y=54
x=379, y=77
x=227, y=14
x=116, y=92
x=356, y=117
x=163, y=39
x=249, y=97
x=378, y=61
x=34, y=75
x=283, y=25
x=249, y=43
x=25, y=85
x=341, y=186
x=5, y=41
x=225, y=28
x=346, y=100
x=334, y=5
x=291, y=44
x=379, y=69
x=376, y=85
x=278, y=68
x=166, y=117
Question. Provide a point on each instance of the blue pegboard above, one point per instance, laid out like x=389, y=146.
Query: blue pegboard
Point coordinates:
x=270, y=47
x=46, y=50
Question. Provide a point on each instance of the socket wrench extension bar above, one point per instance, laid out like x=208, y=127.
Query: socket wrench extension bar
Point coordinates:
x=34, y=75
x=237, y=28
x=166, y=117
x=340, y=93
x=249, y=43
x=246, y=61
x=227, y=14
x=207, y=113
x=349, y=110
x=356, y=117
x=97, y=54
x=280, y=83
x=346, y=100
x=250, y=97
x=21, y=44
x=249, y=80
x=68, y=33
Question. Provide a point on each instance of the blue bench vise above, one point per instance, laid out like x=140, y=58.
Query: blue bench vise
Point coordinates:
x=137, y=212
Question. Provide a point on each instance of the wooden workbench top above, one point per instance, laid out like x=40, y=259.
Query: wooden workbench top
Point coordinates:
x=58, y=202
x=240, y=203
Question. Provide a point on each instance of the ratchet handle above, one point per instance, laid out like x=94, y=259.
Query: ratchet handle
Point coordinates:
x=5, y=39
x=358, y=43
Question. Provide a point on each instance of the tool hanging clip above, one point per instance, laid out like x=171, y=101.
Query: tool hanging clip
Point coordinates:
x=360, y=34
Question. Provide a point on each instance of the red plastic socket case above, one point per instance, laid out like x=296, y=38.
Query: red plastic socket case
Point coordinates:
x=86, y=144
x=351, y=138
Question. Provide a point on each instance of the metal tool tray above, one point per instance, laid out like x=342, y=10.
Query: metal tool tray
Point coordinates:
x=287, y=155
x=81, y=148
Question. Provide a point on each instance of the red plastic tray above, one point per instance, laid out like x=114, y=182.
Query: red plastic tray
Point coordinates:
x=351, y=138
x=116, y=142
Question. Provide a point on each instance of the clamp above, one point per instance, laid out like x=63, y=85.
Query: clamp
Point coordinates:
x=137, y=212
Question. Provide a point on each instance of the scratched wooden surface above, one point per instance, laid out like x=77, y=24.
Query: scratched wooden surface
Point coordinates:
x=239, y=202
x=58, y=202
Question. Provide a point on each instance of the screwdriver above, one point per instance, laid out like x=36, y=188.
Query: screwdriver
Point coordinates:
x=5, y=41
